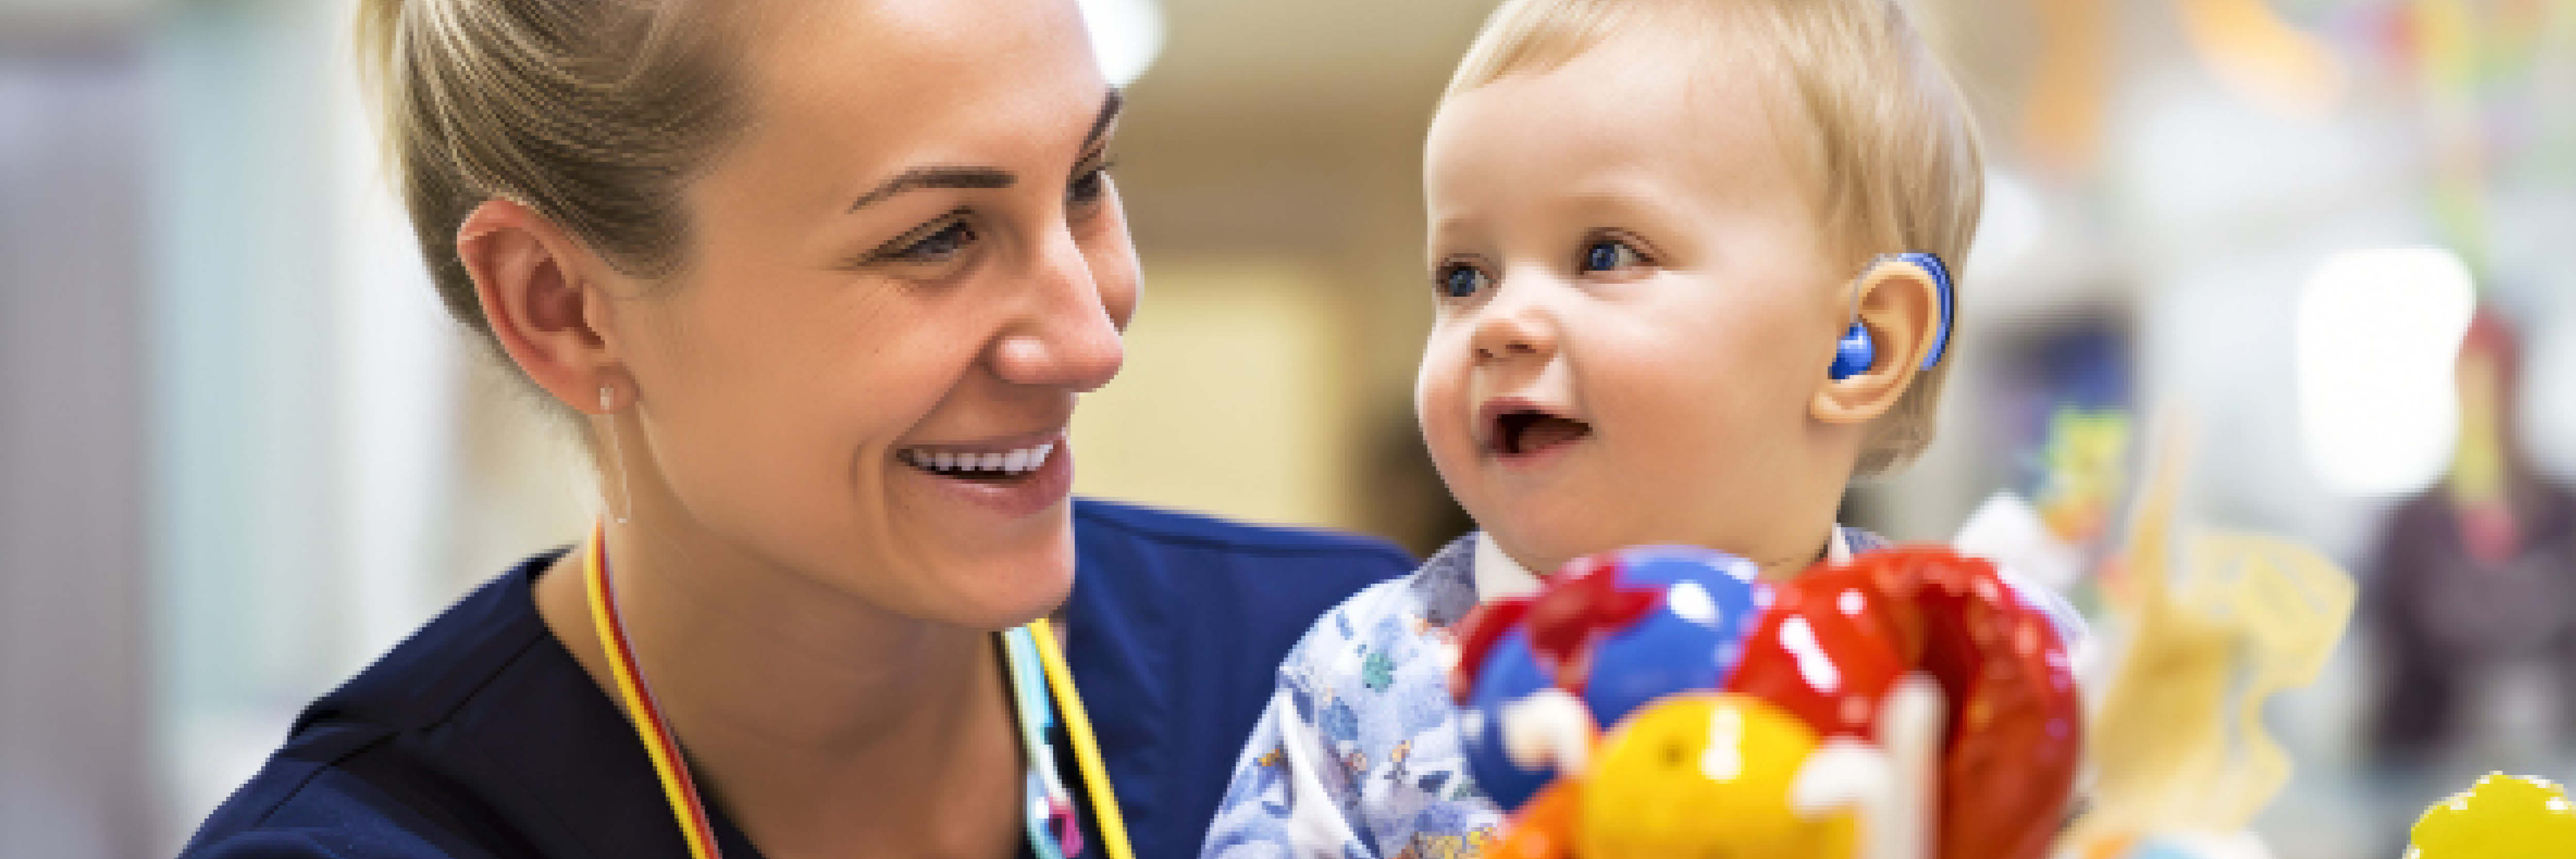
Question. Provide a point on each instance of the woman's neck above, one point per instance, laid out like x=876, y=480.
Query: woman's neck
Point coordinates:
x=801, y=706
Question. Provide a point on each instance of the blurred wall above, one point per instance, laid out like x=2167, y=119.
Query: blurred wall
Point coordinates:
x=76, y=777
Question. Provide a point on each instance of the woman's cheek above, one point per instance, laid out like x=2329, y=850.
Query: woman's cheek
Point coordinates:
x=1115, y=267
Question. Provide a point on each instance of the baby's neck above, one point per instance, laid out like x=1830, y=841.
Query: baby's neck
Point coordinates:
x=1499, y=573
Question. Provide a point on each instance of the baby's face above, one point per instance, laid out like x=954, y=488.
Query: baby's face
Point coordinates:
x=1636, y=309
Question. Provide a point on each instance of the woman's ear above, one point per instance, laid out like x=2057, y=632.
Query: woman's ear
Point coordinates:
x=1900, y=307
x=542, y=309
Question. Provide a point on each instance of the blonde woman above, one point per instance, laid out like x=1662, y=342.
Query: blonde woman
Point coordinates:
x=820, y=282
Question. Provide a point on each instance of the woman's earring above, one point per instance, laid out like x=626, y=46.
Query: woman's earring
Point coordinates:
x=616, y=457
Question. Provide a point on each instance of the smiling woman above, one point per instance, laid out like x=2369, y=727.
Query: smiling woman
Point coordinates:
x=821, y=283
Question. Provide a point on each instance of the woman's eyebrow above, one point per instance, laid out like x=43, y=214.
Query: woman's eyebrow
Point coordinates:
x=1109, y=107
x=980, y=177
x=937, y=177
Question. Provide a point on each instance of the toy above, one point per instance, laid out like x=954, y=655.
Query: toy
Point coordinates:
x=2178, y=743
x=1663, y=620
x=2498, y=818
x=1904, y=705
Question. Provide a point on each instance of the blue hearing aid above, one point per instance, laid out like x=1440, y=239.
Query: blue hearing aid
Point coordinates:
x=1855, y=353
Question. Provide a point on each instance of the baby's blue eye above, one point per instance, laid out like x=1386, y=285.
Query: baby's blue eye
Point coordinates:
x=1608, y=255
x=1461, y=281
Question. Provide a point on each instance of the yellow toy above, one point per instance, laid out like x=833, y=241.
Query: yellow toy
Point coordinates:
x=1659, y=777
x=1729, y=775
x=2177, y=741
x=2502, y=817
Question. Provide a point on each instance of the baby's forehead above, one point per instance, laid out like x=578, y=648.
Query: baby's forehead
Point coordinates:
x=1674, y=105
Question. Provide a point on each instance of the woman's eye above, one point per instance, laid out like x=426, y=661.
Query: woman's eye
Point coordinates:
x=1089, y=187
x=1461, y=281
x=1610, y=255
x=938, y=247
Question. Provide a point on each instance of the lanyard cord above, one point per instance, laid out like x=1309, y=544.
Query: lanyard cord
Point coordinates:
x=682, y=792
x=647, y=716
x=1086, y=749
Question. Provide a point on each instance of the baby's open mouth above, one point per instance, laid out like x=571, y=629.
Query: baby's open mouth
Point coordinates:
x=976, y=464
x=1521, y=432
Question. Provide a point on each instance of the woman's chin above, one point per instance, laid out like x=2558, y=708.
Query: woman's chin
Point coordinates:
x=1003, y=590
x=979, y=578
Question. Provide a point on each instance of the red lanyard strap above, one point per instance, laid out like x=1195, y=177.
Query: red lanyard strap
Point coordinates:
x=641, y=709
x=682, y=792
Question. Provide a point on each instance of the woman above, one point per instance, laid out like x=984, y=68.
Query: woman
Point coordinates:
x=820, y=281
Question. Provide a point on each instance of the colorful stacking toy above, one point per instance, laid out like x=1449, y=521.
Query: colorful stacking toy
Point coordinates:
x=1666, y=701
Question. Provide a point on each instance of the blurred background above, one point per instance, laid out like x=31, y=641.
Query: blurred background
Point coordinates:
x=241, y=451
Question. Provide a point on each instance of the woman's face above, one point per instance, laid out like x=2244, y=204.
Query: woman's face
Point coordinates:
x=900, y=275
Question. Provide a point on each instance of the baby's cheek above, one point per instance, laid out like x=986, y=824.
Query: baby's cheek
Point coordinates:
x=1685, y=423
x=1440, y=408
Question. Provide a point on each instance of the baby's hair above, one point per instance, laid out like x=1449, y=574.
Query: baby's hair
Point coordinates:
x=1893, y=139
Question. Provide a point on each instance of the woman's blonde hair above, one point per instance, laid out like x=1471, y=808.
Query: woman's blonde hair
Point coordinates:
x=1893, y=139
x=592, y=113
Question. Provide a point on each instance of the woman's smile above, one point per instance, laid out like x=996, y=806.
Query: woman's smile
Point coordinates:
x=1014, y=475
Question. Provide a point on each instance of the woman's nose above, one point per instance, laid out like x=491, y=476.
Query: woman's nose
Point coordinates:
x=1070, y=337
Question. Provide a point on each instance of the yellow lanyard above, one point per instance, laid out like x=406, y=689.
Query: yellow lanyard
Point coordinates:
x=682, y=792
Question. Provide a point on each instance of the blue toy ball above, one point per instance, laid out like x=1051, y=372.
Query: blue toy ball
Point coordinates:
x=1689, y=641
x=1511, y=673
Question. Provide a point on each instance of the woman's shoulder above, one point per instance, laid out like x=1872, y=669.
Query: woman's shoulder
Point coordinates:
x=478, y=737
x=304, y=810
x=441, y=664
x=1191, y=573
x=1181, y=531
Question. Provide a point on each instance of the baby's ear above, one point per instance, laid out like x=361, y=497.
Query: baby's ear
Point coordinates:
x=1900, y=320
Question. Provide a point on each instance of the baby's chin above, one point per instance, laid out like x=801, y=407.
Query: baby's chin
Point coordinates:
x=1543, y=543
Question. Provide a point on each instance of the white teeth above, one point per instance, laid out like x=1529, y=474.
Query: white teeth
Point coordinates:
x=1020, y=461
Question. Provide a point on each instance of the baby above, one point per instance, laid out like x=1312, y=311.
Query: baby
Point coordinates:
x=1688, y=259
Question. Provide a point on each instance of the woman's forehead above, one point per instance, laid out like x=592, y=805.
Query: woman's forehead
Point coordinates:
x=844, y=95
x=883, y=66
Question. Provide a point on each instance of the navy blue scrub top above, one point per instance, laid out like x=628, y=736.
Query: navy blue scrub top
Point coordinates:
x=481, y=738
